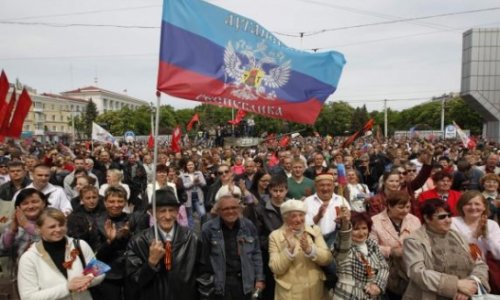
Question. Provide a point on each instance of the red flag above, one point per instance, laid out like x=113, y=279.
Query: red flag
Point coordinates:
x=4, y=89
x=284, y=141
x=368, y=126
x=176, y=137
x=5, y=115
x=239, y=116
x=195, y=118
x=151, y=141
x=21, y=111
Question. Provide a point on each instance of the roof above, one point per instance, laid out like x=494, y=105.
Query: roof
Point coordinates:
x=64, y=97
x=94, y=89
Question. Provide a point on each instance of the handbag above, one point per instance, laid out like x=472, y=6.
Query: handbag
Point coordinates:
x=482, y=294
x=493, y=273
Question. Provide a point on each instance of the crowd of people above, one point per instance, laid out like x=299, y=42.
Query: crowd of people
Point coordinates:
x=394, y=219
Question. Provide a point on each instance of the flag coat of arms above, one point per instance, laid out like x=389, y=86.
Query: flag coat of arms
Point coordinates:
x=215, y=56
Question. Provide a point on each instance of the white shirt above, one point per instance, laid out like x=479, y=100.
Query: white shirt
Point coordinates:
x=167, y=236
x=56, y=196
x=327, y=223
x=491, y=243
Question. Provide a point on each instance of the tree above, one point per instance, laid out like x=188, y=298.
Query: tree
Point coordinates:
x=89, y=117
x=335, y=118
x=79, y=123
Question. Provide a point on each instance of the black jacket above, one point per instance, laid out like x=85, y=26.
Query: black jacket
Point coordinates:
x=266, y=220
x=8, y=190
x=158, y=283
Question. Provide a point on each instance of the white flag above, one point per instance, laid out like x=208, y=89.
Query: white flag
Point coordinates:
x=462, y=135
x=101, y=135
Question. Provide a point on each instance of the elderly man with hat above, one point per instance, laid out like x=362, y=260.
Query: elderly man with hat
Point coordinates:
x=322, y=207
x=164, y=268
x=322, y=210
x=297, y=253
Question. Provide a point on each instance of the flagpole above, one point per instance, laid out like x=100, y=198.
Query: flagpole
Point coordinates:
x=155, y=162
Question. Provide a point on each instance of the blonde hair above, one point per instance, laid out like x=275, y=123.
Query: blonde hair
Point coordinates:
x=53, y=213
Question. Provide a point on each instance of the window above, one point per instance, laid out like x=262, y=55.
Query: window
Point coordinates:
x=62, y=118
x=54, y=128
x=53, y=117
x=52, y=107
x=62, y=128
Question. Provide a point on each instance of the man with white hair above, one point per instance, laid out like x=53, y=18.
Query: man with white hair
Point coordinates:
x=491, y=165
x=231, y=252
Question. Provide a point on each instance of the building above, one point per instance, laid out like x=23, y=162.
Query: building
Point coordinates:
x=51, y=116
x=105, y=100
x=481, y=77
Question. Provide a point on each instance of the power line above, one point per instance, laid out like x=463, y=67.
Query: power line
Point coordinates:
x=300, y=34
x=81, y=13
x=375, y=14
x=316, y=32
x=61, y=25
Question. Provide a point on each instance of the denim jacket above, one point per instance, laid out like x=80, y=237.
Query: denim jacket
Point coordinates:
x=213, y=254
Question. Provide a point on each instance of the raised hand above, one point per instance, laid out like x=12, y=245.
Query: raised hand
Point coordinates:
x=110, y=229
x=304, y=244
x=156, y=252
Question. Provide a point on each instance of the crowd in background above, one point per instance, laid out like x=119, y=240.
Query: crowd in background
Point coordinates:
x=393, y=219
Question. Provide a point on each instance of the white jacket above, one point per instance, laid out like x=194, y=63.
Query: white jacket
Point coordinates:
x=38, y=278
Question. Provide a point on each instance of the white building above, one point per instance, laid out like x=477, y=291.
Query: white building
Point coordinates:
x=105, y=100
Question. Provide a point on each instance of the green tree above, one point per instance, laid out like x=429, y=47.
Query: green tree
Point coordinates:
x=89, y=117
x=335, y=118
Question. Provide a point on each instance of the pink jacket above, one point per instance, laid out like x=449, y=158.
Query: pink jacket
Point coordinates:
x=384, y=233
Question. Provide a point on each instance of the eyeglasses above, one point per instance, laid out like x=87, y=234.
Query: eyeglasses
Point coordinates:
x=223, y=172
x=403, y=173
x=412, y=170
x=443, y=216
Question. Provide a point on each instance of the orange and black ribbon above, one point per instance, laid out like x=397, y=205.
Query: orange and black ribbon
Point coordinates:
x=168, y=255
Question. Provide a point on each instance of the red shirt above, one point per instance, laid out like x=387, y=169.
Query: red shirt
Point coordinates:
x=433, y=194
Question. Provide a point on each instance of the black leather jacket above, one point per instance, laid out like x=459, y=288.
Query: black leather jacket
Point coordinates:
x=157, y=282
x=8, y=190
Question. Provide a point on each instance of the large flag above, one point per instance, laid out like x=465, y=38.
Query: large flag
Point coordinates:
x=215, y=56
x=368, y=126
x=176, y=138
x=239, y=116
x=102, y=135
x=195, y=118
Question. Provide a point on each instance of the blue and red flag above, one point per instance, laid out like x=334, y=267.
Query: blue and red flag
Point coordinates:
x=215, y=56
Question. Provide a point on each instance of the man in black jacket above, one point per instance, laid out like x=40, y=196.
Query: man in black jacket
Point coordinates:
x=164, y=268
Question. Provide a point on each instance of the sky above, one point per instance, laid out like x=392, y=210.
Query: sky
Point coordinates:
x=406, y=62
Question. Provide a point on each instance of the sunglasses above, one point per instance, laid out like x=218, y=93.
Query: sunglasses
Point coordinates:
x=403, y=173
x=412, y=170
x=223, y=172
x=443, y=216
